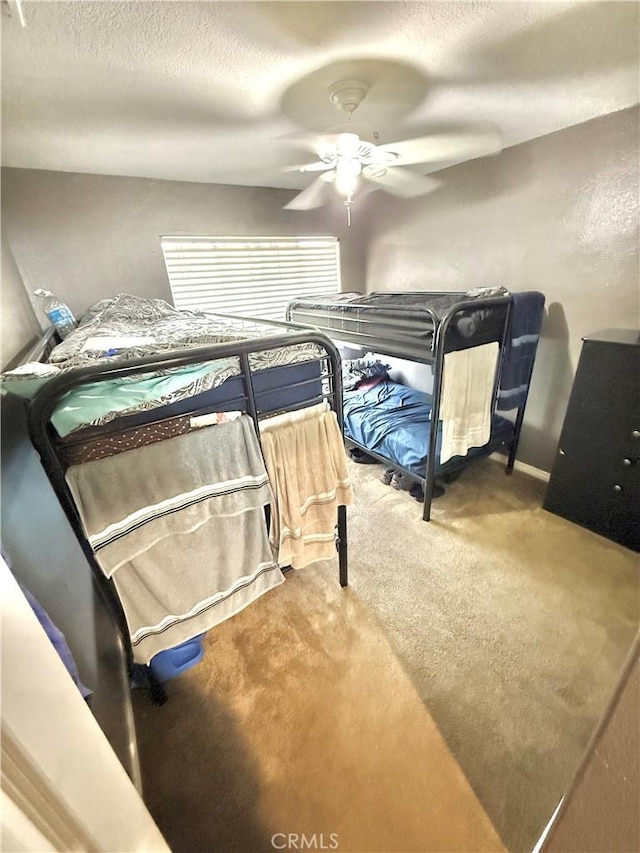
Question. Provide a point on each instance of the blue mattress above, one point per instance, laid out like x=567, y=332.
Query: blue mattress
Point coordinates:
x=275, y=388
x=394, y=421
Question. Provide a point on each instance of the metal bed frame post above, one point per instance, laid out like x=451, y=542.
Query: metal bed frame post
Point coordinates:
x=41, y=433
x=342, y=544
x=245, y=370
x=516, y=434
x=435, y=414
x=518, y=424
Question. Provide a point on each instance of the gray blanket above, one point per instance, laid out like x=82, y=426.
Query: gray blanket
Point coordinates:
x=180, y=527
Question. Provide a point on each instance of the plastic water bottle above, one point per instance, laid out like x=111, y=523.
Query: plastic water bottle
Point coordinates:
x=56, y=311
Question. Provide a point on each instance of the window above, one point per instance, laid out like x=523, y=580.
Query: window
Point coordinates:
x=256, y=276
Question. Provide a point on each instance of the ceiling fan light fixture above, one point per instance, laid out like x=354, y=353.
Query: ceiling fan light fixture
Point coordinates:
x=347, y=172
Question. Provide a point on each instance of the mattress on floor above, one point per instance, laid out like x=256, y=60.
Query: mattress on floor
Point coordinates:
x=394, y=421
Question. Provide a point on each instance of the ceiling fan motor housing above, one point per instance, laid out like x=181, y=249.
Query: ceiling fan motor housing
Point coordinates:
x=347, y=95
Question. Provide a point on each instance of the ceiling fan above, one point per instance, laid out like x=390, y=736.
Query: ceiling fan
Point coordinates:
x=347, y=159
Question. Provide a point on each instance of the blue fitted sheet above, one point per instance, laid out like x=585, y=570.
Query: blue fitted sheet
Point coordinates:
x=275, y=388
x=87, y=404
x=394, y=421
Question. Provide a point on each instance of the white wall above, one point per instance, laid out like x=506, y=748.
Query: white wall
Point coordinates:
x=57, y=766
x=559, y=215
x=87, y=237
x=19, y=324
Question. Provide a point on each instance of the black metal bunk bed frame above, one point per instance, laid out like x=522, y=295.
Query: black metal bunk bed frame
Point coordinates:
x=47, y=444
x=443, y=340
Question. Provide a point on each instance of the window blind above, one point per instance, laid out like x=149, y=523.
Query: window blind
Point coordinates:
x=256, y=276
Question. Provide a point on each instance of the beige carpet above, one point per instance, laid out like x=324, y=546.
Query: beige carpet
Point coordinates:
x=300, y=722
x=314, y=710
x=512, y=622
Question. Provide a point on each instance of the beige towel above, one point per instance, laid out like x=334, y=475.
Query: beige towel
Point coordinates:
x=306, y=462
x=467, y=393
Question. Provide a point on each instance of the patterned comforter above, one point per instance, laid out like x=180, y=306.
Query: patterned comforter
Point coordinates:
x=129, y=327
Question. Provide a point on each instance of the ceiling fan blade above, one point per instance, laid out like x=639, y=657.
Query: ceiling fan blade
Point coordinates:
x=443, y=147
x=401, y=182
x=318, y=166
x=314, y=142
x=315, y=195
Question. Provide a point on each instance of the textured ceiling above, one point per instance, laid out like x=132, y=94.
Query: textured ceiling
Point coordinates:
x=205, y=91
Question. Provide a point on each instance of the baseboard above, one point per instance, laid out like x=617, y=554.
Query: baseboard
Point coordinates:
x=538, y=473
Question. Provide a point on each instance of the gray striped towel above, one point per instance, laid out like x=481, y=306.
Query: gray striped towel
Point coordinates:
x=179, y=525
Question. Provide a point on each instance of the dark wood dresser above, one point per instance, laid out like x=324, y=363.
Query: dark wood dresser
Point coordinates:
x=595, y=480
